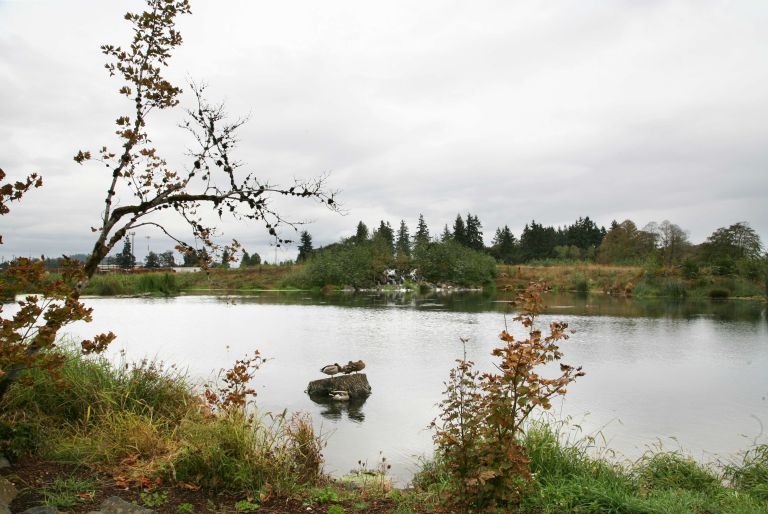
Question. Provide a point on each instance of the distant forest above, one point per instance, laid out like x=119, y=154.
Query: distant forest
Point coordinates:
x=458, y=254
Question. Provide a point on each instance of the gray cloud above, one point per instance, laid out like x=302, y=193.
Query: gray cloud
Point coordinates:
x=513, y=111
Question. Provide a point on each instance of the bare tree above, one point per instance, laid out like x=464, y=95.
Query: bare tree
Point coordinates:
x=671, y=240
x=142, y=185
x=212, y=180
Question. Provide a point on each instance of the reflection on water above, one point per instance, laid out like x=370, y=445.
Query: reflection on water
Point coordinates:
x=336, y=410
x=689, y=374
x=491, y=301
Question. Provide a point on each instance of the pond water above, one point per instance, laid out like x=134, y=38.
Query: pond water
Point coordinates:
x=683, y=375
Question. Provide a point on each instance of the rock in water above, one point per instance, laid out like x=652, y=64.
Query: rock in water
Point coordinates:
x=356, y=385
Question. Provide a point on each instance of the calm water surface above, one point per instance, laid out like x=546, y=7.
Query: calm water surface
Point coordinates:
x=690, y=376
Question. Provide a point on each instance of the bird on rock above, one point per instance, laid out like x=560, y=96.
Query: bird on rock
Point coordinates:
x=331, y=369
x=353, y=367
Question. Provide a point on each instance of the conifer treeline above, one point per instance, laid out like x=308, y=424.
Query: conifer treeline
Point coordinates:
x=582, y=240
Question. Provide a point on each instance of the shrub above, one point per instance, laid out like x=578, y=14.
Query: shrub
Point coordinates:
x=690, y=268
x=355, y=264
x=454, y=263
x=724, y=266
x=482, y=416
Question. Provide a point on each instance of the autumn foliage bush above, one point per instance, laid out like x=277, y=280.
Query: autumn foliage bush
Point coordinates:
x=481, y=423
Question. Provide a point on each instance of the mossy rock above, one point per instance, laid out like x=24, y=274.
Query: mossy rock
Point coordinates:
x=356, y=385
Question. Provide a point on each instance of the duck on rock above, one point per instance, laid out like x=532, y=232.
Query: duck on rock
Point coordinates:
x=353, y=367
x=331, y=369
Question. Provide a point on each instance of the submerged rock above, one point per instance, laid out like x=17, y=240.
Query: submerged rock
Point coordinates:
x=356, y=385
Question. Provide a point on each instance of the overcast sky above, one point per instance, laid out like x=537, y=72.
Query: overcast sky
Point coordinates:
x=647, y=110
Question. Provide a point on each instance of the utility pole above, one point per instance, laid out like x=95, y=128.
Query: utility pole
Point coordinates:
x=133, y=247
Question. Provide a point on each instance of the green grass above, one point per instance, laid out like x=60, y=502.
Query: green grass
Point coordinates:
x=146, y=420
x=568, y=477
x=65, y=493
x=166, y=284
x=751, y=475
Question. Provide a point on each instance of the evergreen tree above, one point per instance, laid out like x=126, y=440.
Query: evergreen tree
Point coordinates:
x=125, y=258
x=403, y=244
x=224, y=259
x=459, y=231
x=305, y=248
x=538, y=242
x=474, y=233
x=250, y=260
x=504, y=247
x=421, y=237
x=362, y=232
x=386, y=234
x=152, y=260
x=446, y=235
x=583, y=233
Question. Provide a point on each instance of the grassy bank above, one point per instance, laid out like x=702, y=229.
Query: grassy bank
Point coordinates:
x=143, y=432
x=633, y=281
x=161, y=283
x=145, y=425
x=568, y=478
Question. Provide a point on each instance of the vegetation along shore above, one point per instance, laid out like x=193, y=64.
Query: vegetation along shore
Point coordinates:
x=82, y=433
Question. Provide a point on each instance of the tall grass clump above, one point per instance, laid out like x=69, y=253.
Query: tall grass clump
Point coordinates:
x=237, y=452
x=673, y=288
x=751, y=476
x=139, y=283
x=106, y=285
x=164, y=283
x=146, y=421
x=580, y=284
x=86, y=388
x=669, y=470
